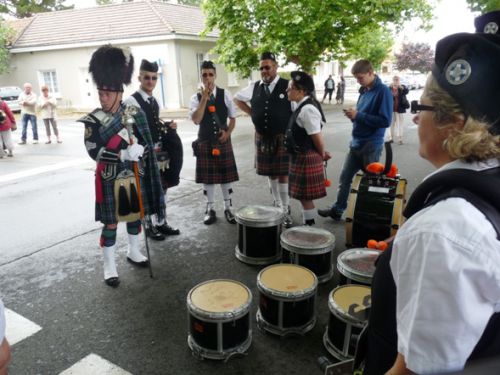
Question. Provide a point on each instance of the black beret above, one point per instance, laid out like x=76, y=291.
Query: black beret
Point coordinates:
x=207, y=64
x=488, y=23
x=268, y=56
x=303, y=81
x=466, y=66
x=147, y=66
x=111, y=67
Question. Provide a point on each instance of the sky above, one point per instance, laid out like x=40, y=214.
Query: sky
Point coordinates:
x=452, y=16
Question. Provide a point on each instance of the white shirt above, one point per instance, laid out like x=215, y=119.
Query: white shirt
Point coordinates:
x=133, y=102
x=446, y=266
x=309, y=117
x=28, y=108
x=245, y=95
x=47, y=106
x=228, y=100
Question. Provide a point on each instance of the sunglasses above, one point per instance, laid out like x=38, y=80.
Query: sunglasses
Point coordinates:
x=265, y=67
x=416, y=108
x=150, y=78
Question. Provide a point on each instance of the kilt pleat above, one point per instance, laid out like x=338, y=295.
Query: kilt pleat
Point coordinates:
x=307, y=178
x=219, y=169
x=277, y=164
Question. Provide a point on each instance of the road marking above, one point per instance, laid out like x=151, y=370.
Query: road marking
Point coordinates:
x=94, y=364
x=18, y=327
x=44, y=169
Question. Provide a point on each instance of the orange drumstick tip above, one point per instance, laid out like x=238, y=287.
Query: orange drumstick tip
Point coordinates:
x=371, y=244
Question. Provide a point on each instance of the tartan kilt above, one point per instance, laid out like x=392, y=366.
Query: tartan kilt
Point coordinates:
x=219, y=169
x=307, y=176
x=277, y=164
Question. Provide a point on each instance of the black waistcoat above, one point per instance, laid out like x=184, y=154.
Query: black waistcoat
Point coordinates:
x=152, y=115
x=296, y=137
x=270, y=115
x=209, y=129
x=382, y=331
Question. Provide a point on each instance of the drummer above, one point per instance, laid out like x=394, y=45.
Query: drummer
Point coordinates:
x=305, y=143
x=436, y=293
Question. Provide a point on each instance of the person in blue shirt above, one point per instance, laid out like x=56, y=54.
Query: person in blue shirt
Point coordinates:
x=371, y=117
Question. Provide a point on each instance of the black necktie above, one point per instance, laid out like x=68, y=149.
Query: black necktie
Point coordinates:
x=266, y=90
x=151, y=101
x=211, y=98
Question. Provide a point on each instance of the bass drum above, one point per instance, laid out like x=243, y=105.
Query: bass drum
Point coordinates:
x=375, y=208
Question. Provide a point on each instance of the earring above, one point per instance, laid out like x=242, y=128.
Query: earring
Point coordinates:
x=445, y=144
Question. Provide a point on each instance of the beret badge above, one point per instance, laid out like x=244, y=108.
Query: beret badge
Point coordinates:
x=490, y=28
x=458, y=72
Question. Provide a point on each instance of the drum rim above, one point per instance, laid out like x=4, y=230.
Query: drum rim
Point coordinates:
x=288, y=296
x=307, y=250
x=254, y=223
x=202, y=352
x=211, y=316
x=347, y=271
x=346, y=318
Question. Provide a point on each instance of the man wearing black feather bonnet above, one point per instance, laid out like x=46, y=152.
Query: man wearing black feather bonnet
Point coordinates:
x=117, y=137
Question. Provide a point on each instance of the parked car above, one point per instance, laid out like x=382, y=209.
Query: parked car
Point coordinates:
x=10, y=94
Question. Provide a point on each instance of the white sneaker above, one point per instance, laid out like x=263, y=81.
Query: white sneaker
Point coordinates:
x=35, y=142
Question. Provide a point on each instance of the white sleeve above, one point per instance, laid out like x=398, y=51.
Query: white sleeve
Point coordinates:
x=309, y=118
x=445, y=266
x=193, y=105
x=231, y=107
x=245, y=95
x=2, y=322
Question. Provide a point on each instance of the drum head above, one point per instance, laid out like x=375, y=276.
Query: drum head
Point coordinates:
x=287, y=279
x=307, y=240
x=259, y=216
x=358, y=264
x=352, y=302
x=220, y=296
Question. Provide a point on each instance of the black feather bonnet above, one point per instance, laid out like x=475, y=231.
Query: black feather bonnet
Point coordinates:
x=111, y=67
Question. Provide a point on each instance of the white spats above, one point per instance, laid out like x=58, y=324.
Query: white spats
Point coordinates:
x=109, y=262
x=133, y=249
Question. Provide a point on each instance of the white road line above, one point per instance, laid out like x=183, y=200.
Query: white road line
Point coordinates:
x=94, y=364
x=44, y=169
x=18, y=327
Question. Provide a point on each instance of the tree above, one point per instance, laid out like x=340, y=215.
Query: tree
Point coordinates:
x=26, y=8
x=303, y=31
x=373, y=46
x=6, y=37
x=185, y=2
x=483, y=6
x=415, y=56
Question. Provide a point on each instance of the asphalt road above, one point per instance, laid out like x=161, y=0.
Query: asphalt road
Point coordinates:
x=51, y=269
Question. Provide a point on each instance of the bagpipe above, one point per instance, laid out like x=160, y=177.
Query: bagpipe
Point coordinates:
x=170, y=156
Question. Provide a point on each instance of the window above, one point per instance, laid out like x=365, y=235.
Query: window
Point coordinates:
x=49, y=78
x=232, y=79
x=199, y=59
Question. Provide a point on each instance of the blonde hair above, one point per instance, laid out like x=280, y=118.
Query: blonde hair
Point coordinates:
x=473, y=142
x=44, y=87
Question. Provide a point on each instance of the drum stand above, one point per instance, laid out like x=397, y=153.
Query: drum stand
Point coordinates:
x=339, y=368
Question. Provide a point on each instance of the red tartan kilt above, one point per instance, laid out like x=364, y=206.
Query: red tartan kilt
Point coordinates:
x=277, y=164
x=307, y=176
x=219, y=169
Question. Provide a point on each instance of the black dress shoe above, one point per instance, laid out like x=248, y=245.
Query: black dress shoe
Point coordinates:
x=330, y=212
x=209, y=217
x=112, y=281
x=310, y=222
x=142, y=264
x=167, y=230
x=229, y=217
x=153, y=233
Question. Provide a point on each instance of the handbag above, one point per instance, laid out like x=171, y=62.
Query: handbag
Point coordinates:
x=404, y=102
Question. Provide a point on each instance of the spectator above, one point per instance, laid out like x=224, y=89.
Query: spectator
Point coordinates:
x=400, y=105
x=7, y=121
x=27, y=101
x=340, y=90
x=329, y=89
x=48, y=104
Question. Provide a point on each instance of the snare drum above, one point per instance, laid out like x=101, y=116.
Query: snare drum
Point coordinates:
x=349, y=310
x=309, y=247
x=287, y=299
x=219, y=319
x=259, y=229
x=374, y=210
x=357, y=266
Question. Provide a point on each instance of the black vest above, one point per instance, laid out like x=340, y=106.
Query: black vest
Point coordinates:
x=209, y=130
x=270, y=115
x=481, y=190
x=152, y=115
x=296, y=137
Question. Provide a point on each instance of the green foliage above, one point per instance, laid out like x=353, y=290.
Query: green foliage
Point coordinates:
x=26, y=8
x=184, y=2
x=6, y=36
x=373, y=45
x=415, y=56
x=303, y=31
x=483, y=6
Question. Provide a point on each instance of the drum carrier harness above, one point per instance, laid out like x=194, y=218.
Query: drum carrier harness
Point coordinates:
x=378, y=344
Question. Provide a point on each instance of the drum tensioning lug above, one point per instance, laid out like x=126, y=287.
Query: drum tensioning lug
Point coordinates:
x=339, y=368
x=395, y=226
x=233, y=354
x=348, y=220
x=354, y=191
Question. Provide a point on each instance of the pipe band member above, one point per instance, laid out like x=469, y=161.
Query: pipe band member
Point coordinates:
x=116, y=137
